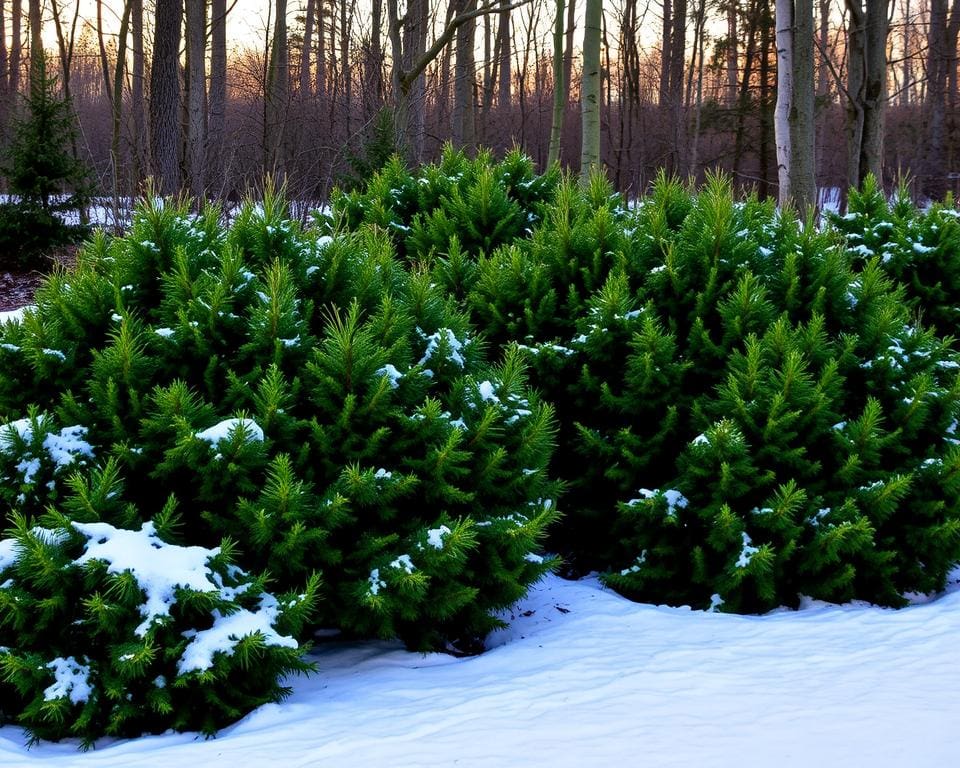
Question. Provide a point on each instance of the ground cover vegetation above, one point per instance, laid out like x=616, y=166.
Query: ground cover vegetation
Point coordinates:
x=352, y=426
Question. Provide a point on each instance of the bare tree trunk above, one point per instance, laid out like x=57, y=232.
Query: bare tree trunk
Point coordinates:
x=165, y=96
x=277, y=92
x=504, y=71
x=907, y=62
x=16, y=45
x=36, y=29
x=462, y=127
x=781, y=117
x=568, y=45
x=217, y=117
x=196, y=81
x=866, y=87
x=321, y=49
x=936, y=101
x=764, y=142
x=346, y=20
x=375, y=64
x=4, y=57
x=590, y=90
x=732, y=63
x=665, y=53
x=803, y=182
x=699, y=35
x=116, y=108
x=559, y=87
x=743, y=101
x=953, y=30
x=137, y=100
x=306, y=50
x=823, y=76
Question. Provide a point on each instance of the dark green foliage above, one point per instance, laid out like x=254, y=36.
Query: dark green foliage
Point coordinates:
x=707, y=359
x=28, y=234
x=918, y=248
x=481, y=203
x=353, y=407
x=44, y=175
x=92, y=644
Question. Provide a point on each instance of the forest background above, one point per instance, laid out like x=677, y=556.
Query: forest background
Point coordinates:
x=209, y=96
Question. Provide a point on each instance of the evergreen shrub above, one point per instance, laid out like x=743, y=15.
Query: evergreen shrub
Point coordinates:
x=917, y=247
x=43, y=174
x=308, y=397
x=748, y=412
x=105, y=630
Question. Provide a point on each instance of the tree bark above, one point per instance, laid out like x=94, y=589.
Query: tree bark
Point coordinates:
x=306, y=50
x=217, y=105
x=781, y=115
x=196, y=79
x=559, y=88
x=504, y=72
x=732, y=43
x=137, y=100
x=463, y=124
x=803, y=182
x=36, y=29
x=165, y=96
x=867, y=29
x=16, y=45
x=277, y=92
x=590, y=90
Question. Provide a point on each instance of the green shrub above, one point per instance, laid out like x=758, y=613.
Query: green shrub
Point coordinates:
x=480, y=203
x=112, y=631
x=356, y=414
x=747, y=411
x=918, y=248
x=307, y=397
x=28, y=235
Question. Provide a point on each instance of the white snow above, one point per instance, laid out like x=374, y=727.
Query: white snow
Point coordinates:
x=71, y=679
x=68, y=445
x=435, y=536
x=222, y=431
x=392, y=374
x=453, y=343
x=158, y=567
x=747, y=552
x=487, y=392
x=583, y=677
x=227, y=631
x=13, y=315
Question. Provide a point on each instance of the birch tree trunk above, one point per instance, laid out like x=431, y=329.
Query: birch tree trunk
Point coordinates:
x=781, y=114
x=590, y=90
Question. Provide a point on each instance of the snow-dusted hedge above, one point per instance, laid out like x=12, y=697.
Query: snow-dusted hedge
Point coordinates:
x=106, y=630
x=748, y=410
x=307, y=396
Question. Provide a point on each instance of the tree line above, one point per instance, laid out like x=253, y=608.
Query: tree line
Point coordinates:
x=787, y=96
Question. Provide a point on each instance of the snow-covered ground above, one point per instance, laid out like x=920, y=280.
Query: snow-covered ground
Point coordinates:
x=585, y=678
